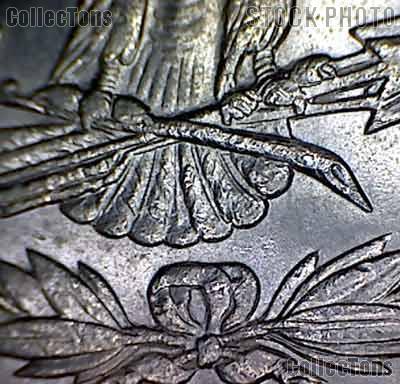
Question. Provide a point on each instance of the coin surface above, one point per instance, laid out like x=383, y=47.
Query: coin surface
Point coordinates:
x=169, y=165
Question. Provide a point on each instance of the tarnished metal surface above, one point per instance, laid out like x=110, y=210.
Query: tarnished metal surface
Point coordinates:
x=199, y=152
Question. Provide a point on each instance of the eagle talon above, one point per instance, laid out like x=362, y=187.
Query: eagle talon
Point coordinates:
x=314, y=71
x=300, y=105
x=327, y=72
x=285, y=93
x=239, y=106
x=96, y=106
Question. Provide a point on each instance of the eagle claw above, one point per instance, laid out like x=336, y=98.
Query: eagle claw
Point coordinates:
x=285, y=93
x=239, y=106
x=96, y=106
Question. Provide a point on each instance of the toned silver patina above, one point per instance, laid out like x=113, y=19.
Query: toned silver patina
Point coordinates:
x=198, y=149
x=178, y=159
x=343, y=315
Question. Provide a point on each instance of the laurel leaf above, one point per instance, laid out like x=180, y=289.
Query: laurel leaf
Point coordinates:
x=108, y=367
x=70, y=297
x=50, y=338
x=347, y=329
x=366, y=282
x=336, y=278
x=20, y=293
x=48, y=368
x=105, y=294
x=292, y=281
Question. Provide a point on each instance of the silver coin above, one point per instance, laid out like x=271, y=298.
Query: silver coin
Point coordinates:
x=183, y=175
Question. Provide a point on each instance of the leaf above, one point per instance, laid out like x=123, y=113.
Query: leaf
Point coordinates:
x=366, y=282
x=347, y=329
x=58, y=184
x=393, y=296
x=358, y=365
x=67, y=366
x=252, y=365
x=125, y=362
x=105, y=294
x=107, y=368
x=60, y=163
x=339, y=311
x=13, y=139
x=8, y=309
x=367, y=253
x=291, y=282
x=155, y=367
x=49, y=338
x=21, y=292
x=70, y=297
